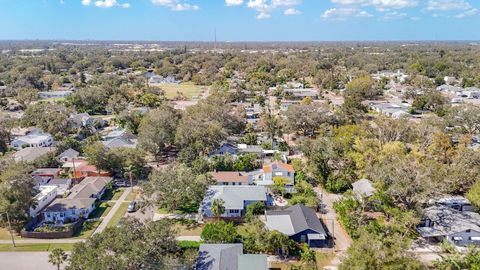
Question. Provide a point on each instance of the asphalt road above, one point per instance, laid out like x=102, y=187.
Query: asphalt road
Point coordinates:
x=25, y=261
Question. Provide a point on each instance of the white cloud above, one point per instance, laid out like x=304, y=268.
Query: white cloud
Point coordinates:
x=233, y=2
x=263, y=15
x=105, y=3
x=341, y=14
x=381, y=5
x=292, y=11
x=448, y=5
x=175, y=5
x=468, y=13
x=394, y=15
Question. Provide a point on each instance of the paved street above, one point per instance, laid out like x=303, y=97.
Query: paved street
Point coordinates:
x=25, y=261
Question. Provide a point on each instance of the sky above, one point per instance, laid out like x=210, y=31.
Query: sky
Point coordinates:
x=240, y=20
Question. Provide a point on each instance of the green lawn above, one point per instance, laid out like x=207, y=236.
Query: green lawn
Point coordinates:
x=87, y=229
x=101, y=210
x=118, y=215
x=132, y=195
x=34, y=247
x=189, y=90
x=112, y=194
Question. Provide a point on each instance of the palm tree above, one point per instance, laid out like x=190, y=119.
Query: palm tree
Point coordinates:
x=218, y=208
x=57, y=257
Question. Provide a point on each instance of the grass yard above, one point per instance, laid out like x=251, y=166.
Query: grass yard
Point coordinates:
x=189, y=90
x=112, y=194
x=188, y=230
x=87, y=229
x=101, y=210
x=34, y=247
x=5, y=235
x=118, y=215
x=323, y=259
x=132, y=195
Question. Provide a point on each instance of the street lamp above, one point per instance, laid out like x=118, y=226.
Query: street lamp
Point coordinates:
x=10, y=228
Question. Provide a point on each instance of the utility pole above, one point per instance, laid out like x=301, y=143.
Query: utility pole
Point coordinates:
x=131, y=181
x=10, y=229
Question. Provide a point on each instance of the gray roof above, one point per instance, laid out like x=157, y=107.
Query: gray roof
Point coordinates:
x=363, y=187
x=218, y=256
x=69, y=153
x=61, y=205
x=119, y=143
x=89, y=187
x=234, y=196
x=448, y=221
x=252, y=262
x=29, y=154
x=294, y=219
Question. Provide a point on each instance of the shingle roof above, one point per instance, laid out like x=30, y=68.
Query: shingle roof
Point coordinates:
x=69, y=153
x=252, y=262
x=278, y=165
x=363, y=187
x=294, y=219
x=60, y=205
x=235, y=196
x=448, y=221
x=90, y=186
x=29, y=154
x=229, y=177
x=218, y=256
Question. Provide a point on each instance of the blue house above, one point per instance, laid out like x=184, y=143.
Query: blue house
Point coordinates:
x=300, y=223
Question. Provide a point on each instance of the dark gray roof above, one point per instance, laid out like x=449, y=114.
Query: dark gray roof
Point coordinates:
x=448, y=221
x=218, y=256
x=294, y=219
x=29, y=154
x=61, y=205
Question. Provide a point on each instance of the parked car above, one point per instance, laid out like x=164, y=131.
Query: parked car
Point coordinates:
x=120, y=183
x=132, y=207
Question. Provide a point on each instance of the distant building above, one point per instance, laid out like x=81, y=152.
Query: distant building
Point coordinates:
x=156, y=80
x=275, y=169
x=33, y=139
x=232, y=178
x=68, y=155
x=363, y=188
x=30, y=154
x=54, y=94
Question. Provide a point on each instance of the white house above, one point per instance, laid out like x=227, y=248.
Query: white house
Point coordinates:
x=54, y=94
x=80, y=203
x=45, y=197
x=34, y=139
x=275, y=169
x=235, y=198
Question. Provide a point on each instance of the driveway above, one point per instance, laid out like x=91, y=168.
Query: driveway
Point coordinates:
x=25, y=261
x=341, y=239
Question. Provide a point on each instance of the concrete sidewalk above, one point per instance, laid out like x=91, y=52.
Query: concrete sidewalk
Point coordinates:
x=112, y=212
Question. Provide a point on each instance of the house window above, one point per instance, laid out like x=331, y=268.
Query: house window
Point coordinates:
x=303, y=238
x=234, y=211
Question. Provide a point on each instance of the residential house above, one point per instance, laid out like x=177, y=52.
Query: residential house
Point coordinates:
x=300, y=223
x=48, y=172
x=79, y=120
x=232, y=178
x=54, y=94
x=157, y=80
x=80, y=203
x=235, y=198
x=225, y=149
x=68, y=155
x=86, y=170
x=120, y=138
x=40, y=181
x=45, y=196
x=285, y=104
x=250, y=149
x=33, y=139
x=363, y=188
x=459, y=203
x=442, y=223
x=62, y=185
x=277, y=169
x=228, y=257
x=30, y=154
x=391, y=109
x=300, y=93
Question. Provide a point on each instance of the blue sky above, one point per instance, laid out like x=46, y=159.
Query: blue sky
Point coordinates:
x=240, y=20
